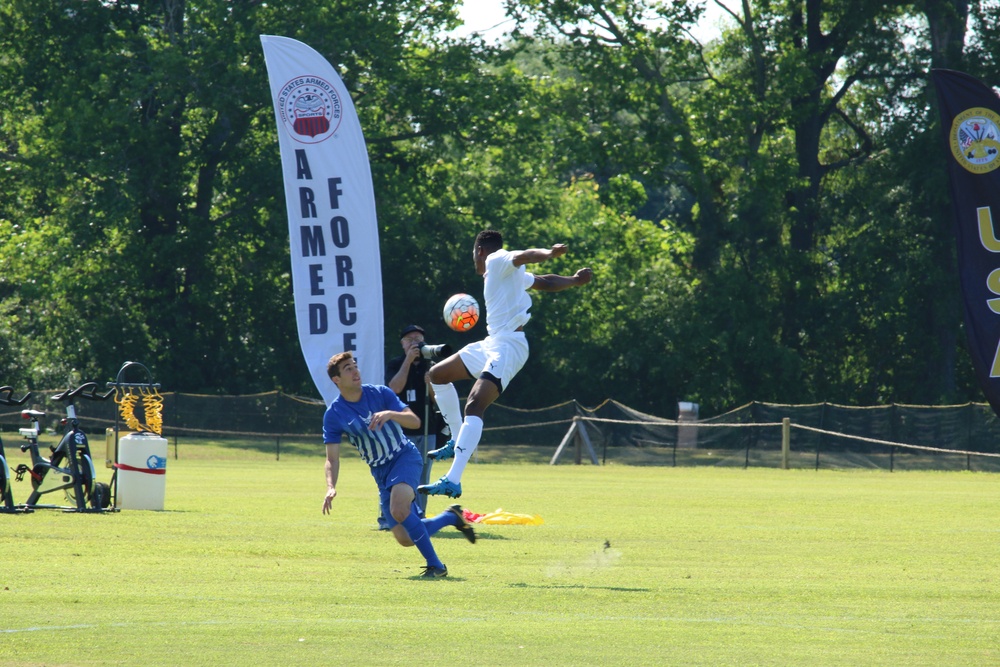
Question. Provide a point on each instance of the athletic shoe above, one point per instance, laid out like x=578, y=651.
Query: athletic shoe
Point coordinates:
x=446, y=452
x=463, y=526
x=431, y=572
x=442, y=487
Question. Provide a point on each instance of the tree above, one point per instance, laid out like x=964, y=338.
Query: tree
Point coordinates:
x=755, y=131
x=140, y=144
x=762, y=212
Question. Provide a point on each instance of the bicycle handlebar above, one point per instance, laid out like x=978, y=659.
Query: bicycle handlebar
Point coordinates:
x=86, y=390
x=9, y=398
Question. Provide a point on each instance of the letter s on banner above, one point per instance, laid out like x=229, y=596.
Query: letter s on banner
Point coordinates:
x=330, y=204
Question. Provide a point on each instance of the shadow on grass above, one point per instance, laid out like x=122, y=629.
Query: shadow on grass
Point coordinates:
x=619, y=589
x=452, y=535
x=446, y=534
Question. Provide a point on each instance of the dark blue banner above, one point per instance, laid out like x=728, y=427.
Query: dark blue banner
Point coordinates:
x=970, y=120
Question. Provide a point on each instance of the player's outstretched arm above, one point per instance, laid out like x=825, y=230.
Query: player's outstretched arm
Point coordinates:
x=538, y=255
x=554, y=283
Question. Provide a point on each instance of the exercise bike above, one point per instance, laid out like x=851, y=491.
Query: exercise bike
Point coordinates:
x=6, y=497
x=71, y=466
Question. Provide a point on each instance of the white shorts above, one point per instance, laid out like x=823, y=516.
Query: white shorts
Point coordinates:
x=501, y=356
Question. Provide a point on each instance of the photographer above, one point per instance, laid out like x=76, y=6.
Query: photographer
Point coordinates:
x=405, y=375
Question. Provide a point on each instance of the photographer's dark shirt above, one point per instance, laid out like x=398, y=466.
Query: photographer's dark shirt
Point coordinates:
x=414, y=394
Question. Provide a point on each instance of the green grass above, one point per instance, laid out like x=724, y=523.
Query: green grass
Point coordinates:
x=706, y=566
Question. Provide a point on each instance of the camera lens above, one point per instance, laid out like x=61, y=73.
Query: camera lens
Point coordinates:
x=434, y=352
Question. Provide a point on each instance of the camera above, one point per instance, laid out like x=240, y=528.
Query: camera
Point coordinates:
x=434, y=352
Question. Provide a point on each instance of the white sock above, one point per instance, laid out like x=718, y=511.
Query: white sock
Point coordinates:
x=447, y=401
x=468, y=440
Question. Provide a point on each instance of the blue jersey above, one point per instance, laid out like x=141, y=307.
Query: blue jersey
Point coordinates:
x=375, y=447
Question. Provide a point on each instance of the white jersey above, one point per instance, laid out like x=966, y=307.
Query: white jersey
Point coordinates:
x=505, y=291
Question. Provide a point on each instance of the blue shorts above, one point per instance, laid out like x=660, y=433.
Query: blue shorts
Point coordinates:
x=404, y=468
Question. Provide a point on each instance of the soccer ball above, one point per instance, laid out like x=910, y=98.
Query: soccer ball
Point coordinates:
x=461, y=312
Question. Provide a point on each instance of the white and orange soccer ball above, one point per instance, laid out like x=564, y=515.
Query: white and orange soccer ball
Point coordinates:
x=461, y=312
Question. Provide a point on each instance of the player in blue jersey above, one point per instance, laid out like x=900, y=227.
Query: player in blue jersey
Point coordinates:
x=372, y=417
x=494, y=361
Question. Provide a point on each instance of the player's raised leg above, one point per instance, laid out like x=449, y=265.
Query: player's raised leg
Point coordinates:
x=442, y=376
x=452, y=516
x=483, y=394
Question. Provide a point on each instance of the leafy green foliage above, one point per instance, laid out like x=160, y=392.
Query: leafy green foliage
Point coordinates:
x=762, y=213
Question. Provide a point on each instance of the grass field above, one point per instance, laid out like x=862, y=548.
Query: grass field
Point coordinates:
x=633, y=566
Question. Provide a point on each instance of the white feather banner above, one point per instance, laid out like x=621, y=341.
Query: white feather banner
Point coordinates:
x=332, y=226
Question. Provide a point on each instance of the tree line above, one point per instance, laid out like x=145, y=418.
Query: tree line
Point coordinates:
x=766, y=214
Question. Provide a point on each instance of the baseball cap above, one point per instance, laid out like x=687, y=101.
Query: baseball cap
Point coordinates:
x=411, y=329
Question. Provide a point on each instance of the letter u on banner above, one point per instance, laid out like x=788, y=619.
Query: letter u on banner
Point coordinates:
x=330, y=202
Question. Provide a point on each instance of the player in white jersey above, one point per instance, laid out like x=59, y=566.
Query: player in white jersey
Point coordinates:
x=494, y=361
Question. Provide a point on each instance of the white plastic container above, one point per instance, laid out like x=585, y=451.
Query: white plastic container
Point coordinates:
x=142, y=468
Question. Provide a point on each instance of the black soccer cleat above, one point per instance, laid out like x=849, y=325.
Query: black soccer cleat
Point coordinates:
x=463, y=526
x=431, y=572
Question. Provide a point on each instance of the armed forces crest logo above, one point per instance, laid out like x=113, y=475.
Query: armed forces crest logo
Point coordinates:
x=975, y=140
x=311, y=109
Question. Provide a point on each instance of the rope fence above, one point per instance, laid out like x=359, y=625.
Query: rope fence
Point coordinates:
x=755, y=434
x=901, y=445
x=766, y=441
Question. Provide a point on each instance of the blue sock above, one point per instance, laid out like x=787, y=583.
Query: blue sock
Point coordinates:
x=434, y=524
x=421, y=539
